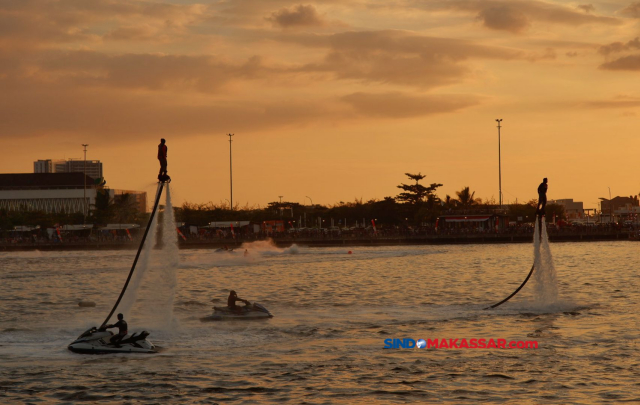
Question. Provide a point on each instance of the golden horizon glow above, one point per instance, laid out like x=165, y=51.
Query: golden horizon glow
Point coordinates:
x=327, y=99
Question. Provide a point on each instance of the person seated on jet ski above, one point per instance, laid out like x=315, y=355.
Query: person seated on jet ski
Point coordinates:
x=122, y=330
x=231, y=301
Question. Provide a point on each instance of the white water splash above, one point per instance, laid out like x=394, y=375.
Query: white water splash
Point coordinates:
x=131, y=294
x=170, y=258
x=161, y=286
x=546, y=285
x=268, y=247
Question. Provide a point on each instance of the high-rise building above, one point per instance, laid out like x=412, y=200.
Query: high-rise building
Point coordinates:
x=93, y=167
x=48, y=166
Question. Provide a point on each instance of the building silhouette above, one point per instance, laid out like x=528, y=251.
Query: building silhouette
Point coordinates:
x=58, y=193
x=93, y=167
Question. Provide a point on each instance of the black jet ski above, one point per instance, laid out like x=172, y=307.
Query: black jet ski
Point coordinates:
x=98, y=341
x=248, y=312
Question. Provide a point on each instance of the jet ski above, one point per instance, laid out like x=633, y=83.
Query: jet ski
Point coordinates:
x=248, y=312
x=98, y=341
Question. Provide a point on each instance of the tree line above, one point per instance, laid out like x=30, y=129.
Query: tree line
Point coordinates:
x=416, y=204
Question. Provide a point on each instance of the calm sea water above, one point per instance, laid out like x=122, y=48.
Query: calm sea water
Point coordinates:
x=333, y=311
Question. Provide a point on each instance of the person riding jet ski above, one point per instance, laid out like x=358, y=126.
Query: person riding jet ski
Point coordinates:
x=234, y=312
x=122, y=330
x=231, y=301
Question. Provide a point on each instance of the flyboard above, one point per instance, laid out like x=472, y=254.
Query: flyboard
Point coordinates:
x=98, y=340
x=539, y=222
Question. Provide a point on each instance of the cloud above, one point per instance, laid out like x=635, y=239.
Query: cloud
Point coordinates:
x=632, y=10
x=617, y=102
x=399, y=105
x=504, y=18
x=180, y=73
x=515, y=16
x=42, y=22
x=395, y=57
x=132, y=33
x=587, y=8
x=297, y=16
x=398, y=57
x=631, y=62
x=29, y=110
x=617, y=47
x=32, y=110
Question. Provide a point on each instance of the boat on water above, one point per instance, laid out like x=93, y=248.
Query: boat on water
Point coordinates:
x=247, y=312
x=99, y=340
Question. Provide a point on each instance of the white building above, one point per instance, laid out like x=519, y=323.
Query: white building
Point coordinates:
x=56, y=193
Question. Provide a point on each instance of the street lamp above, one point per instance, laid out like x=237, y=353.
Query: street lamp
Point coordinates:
x=499, y=120
x=610, y=206
x=309, y=199
x=84, y=197
x=230, y=172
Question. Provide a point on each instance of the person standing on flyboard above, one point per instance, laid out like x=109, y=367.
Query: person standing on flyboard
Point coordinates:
x=162, y=157
x=542, y=198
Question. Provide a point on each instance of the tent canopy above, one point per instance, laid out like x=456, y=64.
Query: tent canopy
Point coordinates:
x=227, y=224
x=110, y=227
x=467, y=218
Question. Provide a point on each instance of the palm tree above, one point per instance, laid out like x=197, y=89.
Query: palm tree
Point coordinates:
x=466, y=198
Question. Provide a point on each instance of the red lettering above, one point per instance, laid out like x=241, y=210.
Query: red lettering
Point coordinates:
x=474, y=343
x=482, y=343
x=453, y=343
x=432, y=343
x=502, y=343
x=491, y=344
x=443, y=344
x=464, y=344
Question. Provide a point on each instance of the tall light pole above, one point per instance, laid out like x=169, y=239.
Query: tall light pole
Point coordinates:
x=84, y=171
x=499, y=120
x=610, y=206
x=309, y=199
x=230, y=172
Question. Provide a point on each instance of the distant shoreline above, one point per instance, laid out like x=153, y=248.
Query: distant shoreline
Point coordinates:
x=329, y=242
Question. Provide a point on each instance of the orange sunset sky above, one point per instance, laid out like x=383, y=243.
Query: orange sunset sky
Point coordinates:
x=334, y=100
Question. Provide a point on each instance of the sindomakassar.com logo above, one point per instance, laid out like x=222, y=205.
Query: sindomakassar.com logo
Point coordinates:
x=463, y=343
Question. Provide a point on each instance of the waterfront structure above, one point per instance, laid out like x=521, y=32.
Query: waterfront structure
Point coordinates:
x=618, y=203
x=618, y=208
x=57, y=193
x=489, y=222
x=572, y=209
x=93, y=167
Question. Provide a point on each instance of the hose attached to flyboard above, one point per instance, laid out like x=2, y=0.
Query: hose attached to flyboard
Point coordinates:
x=135, y=261
x=525, y=280
x=515, y=292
